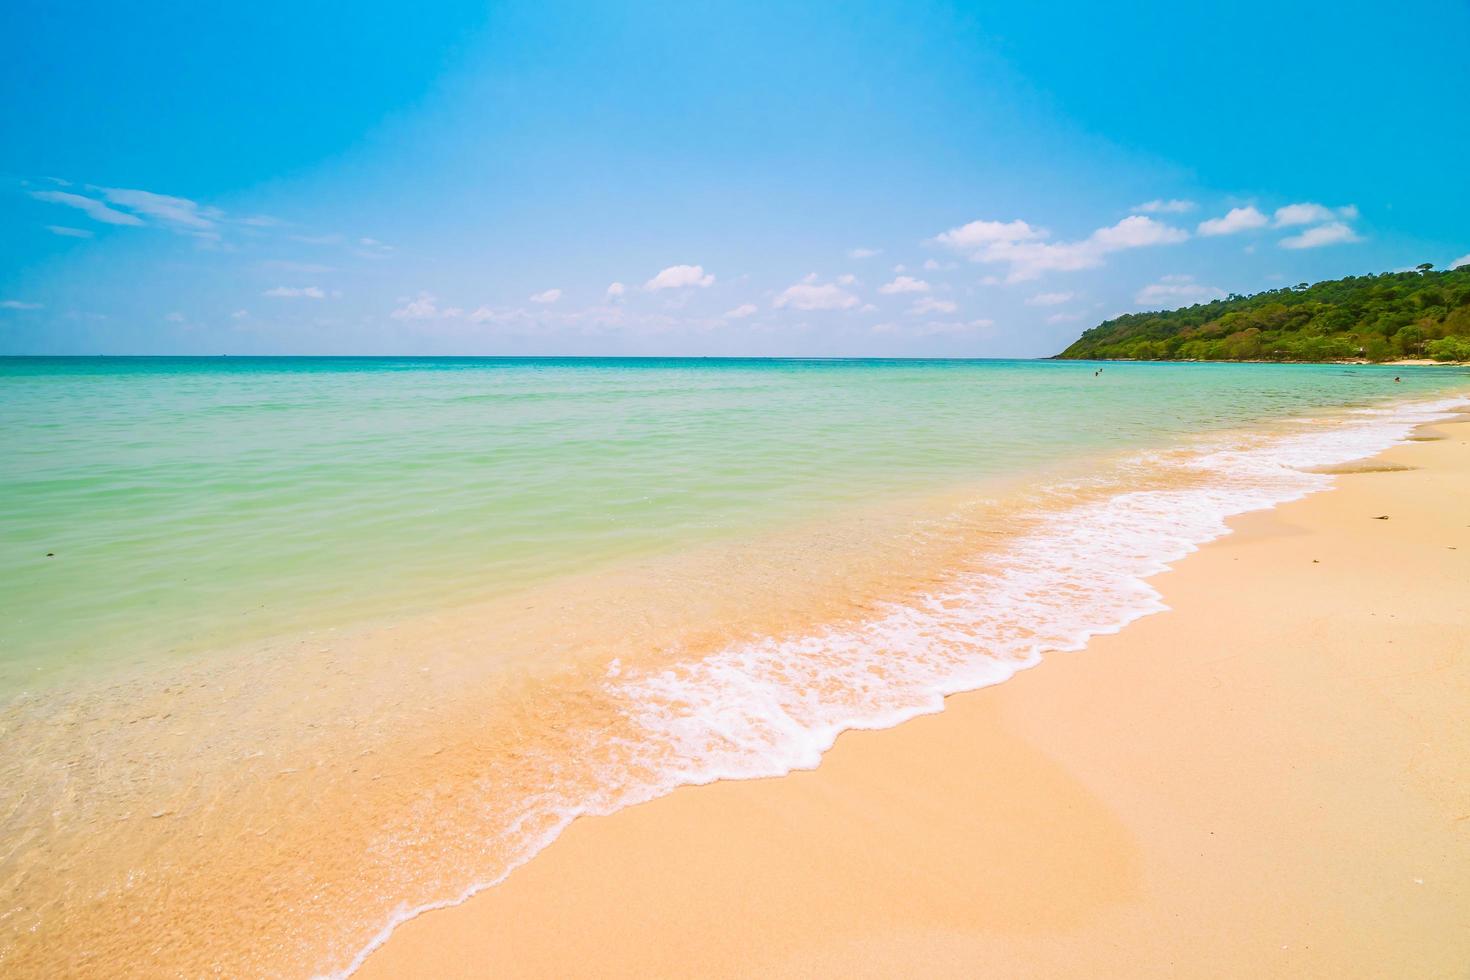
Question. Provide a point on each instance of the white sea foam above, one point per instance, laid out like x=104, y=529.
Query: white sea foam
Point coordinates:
x=769, y=707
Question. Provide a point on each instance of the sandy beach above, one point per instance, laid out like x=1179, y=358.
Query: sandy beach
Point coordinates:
x=1266, y=780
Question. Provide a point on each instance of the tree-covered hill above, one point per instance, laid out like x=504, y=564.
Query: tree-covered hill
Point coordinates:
x=1394, y=315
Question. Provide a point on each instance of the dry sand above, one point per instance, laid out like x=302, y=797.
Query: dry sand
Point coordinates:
x=1271, y=779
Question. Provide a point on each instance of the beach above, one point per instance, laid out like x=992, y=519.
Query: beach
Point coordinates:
x=1268, y=779
x=276, y=708
x=733, y=490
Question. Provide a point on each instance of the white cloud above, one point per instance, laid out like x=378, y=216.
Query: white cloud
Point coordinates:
x=425, y=307
x=67, y=232
x=615, y=290
x=680, y=277
x=1303, y=214
x=546, y=296
x=1136, y=231
x=178, y=211
x=1308, y=213
x=1064, y=318
x=296, y=292
x=1048, y=299
x=846, y=280
x=934, y=265
x=978, y=234
x=1462, y=260
x=1236, y=219
x=16, y=304
x=904, y=284
x=1161, y=206
x=741, y=312
x=239, y=314
x=863, y=253
x=1018, y=244
x=1330, y=234
x=812, y=295
x=175, y=317
x=929, y=304
x=1177, y=291
x=93, y=209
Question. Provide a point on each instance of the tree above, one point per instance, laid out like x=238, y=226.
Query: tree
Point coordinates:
x=1375, y=316
x=1410, y=340
x=1449, y=349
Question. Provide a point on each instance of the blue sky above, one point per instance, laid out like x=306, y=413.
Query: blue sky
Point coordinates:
x=751, y=178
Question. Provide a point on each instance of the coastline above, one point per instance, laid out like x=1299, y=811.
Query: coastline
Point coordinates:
x=1350, y=362
x=1261, y=782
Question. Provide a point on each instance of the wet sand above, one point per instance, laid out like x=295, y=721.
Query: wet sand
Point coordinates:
x=1267, y=780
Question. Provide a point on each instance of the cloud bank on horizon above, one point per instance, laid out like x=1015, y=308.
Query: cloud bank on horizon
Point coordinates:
x=490, y=207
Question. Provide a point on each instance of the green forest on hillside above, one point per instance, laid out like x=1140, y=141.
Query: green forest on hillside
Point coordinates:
x=1421, y=313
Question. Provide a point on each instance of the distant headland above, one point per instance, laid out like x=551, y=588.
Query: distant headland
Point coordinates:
x=1418, y=314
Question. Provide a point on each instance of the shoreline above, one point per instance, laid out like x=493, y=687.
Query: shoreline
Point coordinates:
x=1350, y=362
x=780, y=875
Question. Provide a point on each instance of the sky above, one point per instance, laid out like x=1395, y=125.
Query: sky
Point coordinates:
x=769, y=179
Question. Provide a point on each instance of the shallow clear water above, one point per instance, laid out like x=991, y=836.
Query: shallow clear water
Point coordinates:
x=165, y=506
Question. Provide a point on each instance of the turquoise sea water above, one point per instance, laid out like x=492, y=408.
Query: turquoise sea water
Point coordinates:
x=162, y=506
